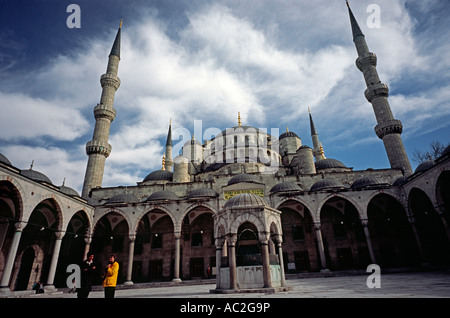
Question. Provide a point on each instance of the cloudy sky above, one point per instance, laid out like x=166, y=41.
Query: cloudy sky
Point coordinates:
x=204, y=61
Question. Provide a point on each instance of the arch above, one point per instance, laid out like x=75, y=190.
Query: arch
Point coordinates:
x=246, y=217
x=343, y=235
x=358, y=208
x=299, y=200
x=391, y=233
x=430, y=228
x=442, y=191
x=50, y=205
x=12, y=190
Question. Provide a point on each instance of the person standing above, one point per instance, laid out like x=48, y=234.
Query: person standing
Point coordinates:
x=88, y=271
x=111, y=273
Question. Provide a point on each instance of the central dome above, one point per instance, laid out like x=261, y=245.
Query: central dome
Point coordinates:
x=246, y=200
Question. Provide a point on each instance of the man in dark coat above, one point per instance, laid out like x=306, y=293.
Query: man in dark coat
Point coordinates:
x=88, y=272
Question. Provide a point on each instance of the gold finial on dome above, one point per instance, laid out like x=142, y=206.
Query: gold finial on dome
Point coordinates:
x=120, y=25
x=239, y=118
x=164, y=162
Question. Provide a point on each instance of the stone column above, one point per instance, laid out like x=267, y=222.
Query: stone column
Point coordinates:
x=264, y=240
x=87, y=246
x=232, y=238
x=128, y=280
x=219, y=247
x=4, y=284
x=412, y=221
x=279, y=242
x=321, y=248
x=176, y=269
x=365, y=223
x=54, y=261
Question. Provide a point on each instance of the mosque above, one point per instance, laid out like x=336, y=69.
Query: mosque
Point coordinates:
x=245, y=207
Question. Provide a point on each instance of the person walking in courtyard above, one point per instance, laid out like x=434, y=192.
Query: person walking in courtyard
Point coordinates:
x=111, y=273
x=88, y=271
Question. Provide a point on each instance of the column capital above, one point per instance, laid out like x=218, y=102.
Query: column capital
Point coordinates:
x=316, y=225
x=364, y=222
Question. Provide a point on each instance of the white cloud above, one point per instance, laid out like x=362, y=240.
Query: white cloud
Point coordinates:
x=34, y=118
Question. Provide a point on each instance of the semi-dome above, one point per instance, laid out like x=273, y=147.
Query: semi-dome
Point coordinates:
x=35, y=175
x=364, y=182
x=3, y=159
x=286, y=187
x=329, y=163
x=68, y=191
x=425, y=166
x=159, y=175
x=123, y=198
x=202, y=193
x=246, y=200
x=242, y=177
x=162, y=195
x=327, y=184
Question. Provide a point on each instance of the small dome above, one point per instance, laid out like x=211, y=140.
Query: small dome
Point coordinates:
x=326, y=184
x=446, y=151
x=365, y=181
x=245, y=200
x=400, y=181
x=123, y=198
x=304, y=147
x=35, y=175
x=68, y=191
x=159, y=175
x=286, y=187
x=203, y=193
x=425, y=166
x=243, y=177
x=163, y=195
x=288, y=134
x=329, y=163
x=3, y=159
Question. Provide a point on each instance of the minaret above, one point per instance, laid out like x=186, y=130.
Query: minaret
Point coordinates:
x=169, y=161
x=318, y=149
x=98, y=149
x=388, y=129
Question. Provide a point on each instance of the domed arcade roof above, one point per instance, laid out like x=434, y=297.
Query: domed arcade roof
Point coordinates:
x=329, y=163
x=286, y=187
x=246, y=200
x=3, y=159
x=425, y=166
x=68, y=191
x=159, y=175
x=35, y=175
x=327, y=184
x=202, y=193
x=163, y=195
x=123, y=198
x=365, y=181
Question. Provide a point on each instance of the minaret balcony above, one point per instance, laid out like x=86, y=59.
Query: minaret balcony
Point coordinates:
x=98, y=147
x=366, y=59
x=110, y=80
x=104, y=111
x=393, y=126
x=376, y=90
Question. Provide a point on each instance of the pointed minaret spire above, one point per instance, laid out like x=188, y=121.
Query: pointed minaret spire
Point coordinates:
x=388, y=129
x=168, y=156
x=356, y=30
x=115, y=50
x=318, y=149
x=98, y=149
